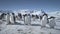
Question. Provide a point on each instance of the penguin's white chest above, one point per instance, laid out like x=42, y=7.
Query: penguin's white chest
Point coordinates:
x=11, y=19
x=44, y=21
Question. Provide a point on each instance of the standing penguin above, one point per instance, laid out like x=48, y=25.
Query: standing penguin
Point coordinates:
x=44, y=20
x=33, y=17
x=27, y=19
x=20, y=16
x=12, y=18
x=8, y=18
x=52, y=22
x=0, y=16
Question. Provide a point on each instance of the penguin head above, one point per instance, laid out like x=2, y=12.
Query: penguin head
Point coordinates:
x=13, y=13
x=45, y=14
x=52, y=17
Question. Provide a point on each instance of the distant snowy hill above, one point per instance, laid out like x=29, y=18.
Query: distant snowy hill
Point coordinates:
x=23, y=11
x=34, y=12
x=6, y=11
x=38, y=13
x=54, y=13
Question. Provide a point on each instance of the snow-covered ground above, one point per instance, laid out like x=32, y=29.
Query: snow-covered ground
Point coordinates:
x=20, y=29
x=27, y=29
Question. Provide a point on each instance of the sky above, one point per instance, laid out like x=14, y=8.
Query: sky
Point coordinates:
x=46, y=5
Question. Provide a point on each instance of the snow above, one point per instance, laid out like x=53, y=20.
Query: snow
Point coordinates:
x=20, y=29
x=38, y=13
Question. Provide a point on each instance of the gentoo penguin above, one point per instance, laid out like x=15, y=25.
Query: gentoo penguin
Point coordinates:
x=52, y=22
x=44, y=20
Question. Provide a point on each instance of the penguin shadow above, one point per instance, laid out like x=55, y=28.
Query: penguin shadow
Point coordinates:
x=15, y=23
x=35, y=25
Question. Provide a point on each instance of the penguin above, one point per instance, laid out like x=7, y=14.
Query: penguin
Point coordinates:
x=20, y=16
x=27, y=19
x=12, y=18
x=44, y=20
x=8, y=18
x=0, y=16
x=33, y=17
x=37, y=17
x=52, y=22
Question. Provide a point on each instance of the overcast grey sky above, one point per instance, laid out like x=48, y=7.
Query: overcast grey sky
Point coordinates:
x=46, y=5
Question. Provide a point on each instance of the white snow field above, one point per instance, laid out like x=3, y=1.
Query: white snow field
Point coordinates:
x=24, y=29
x=31, y=29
